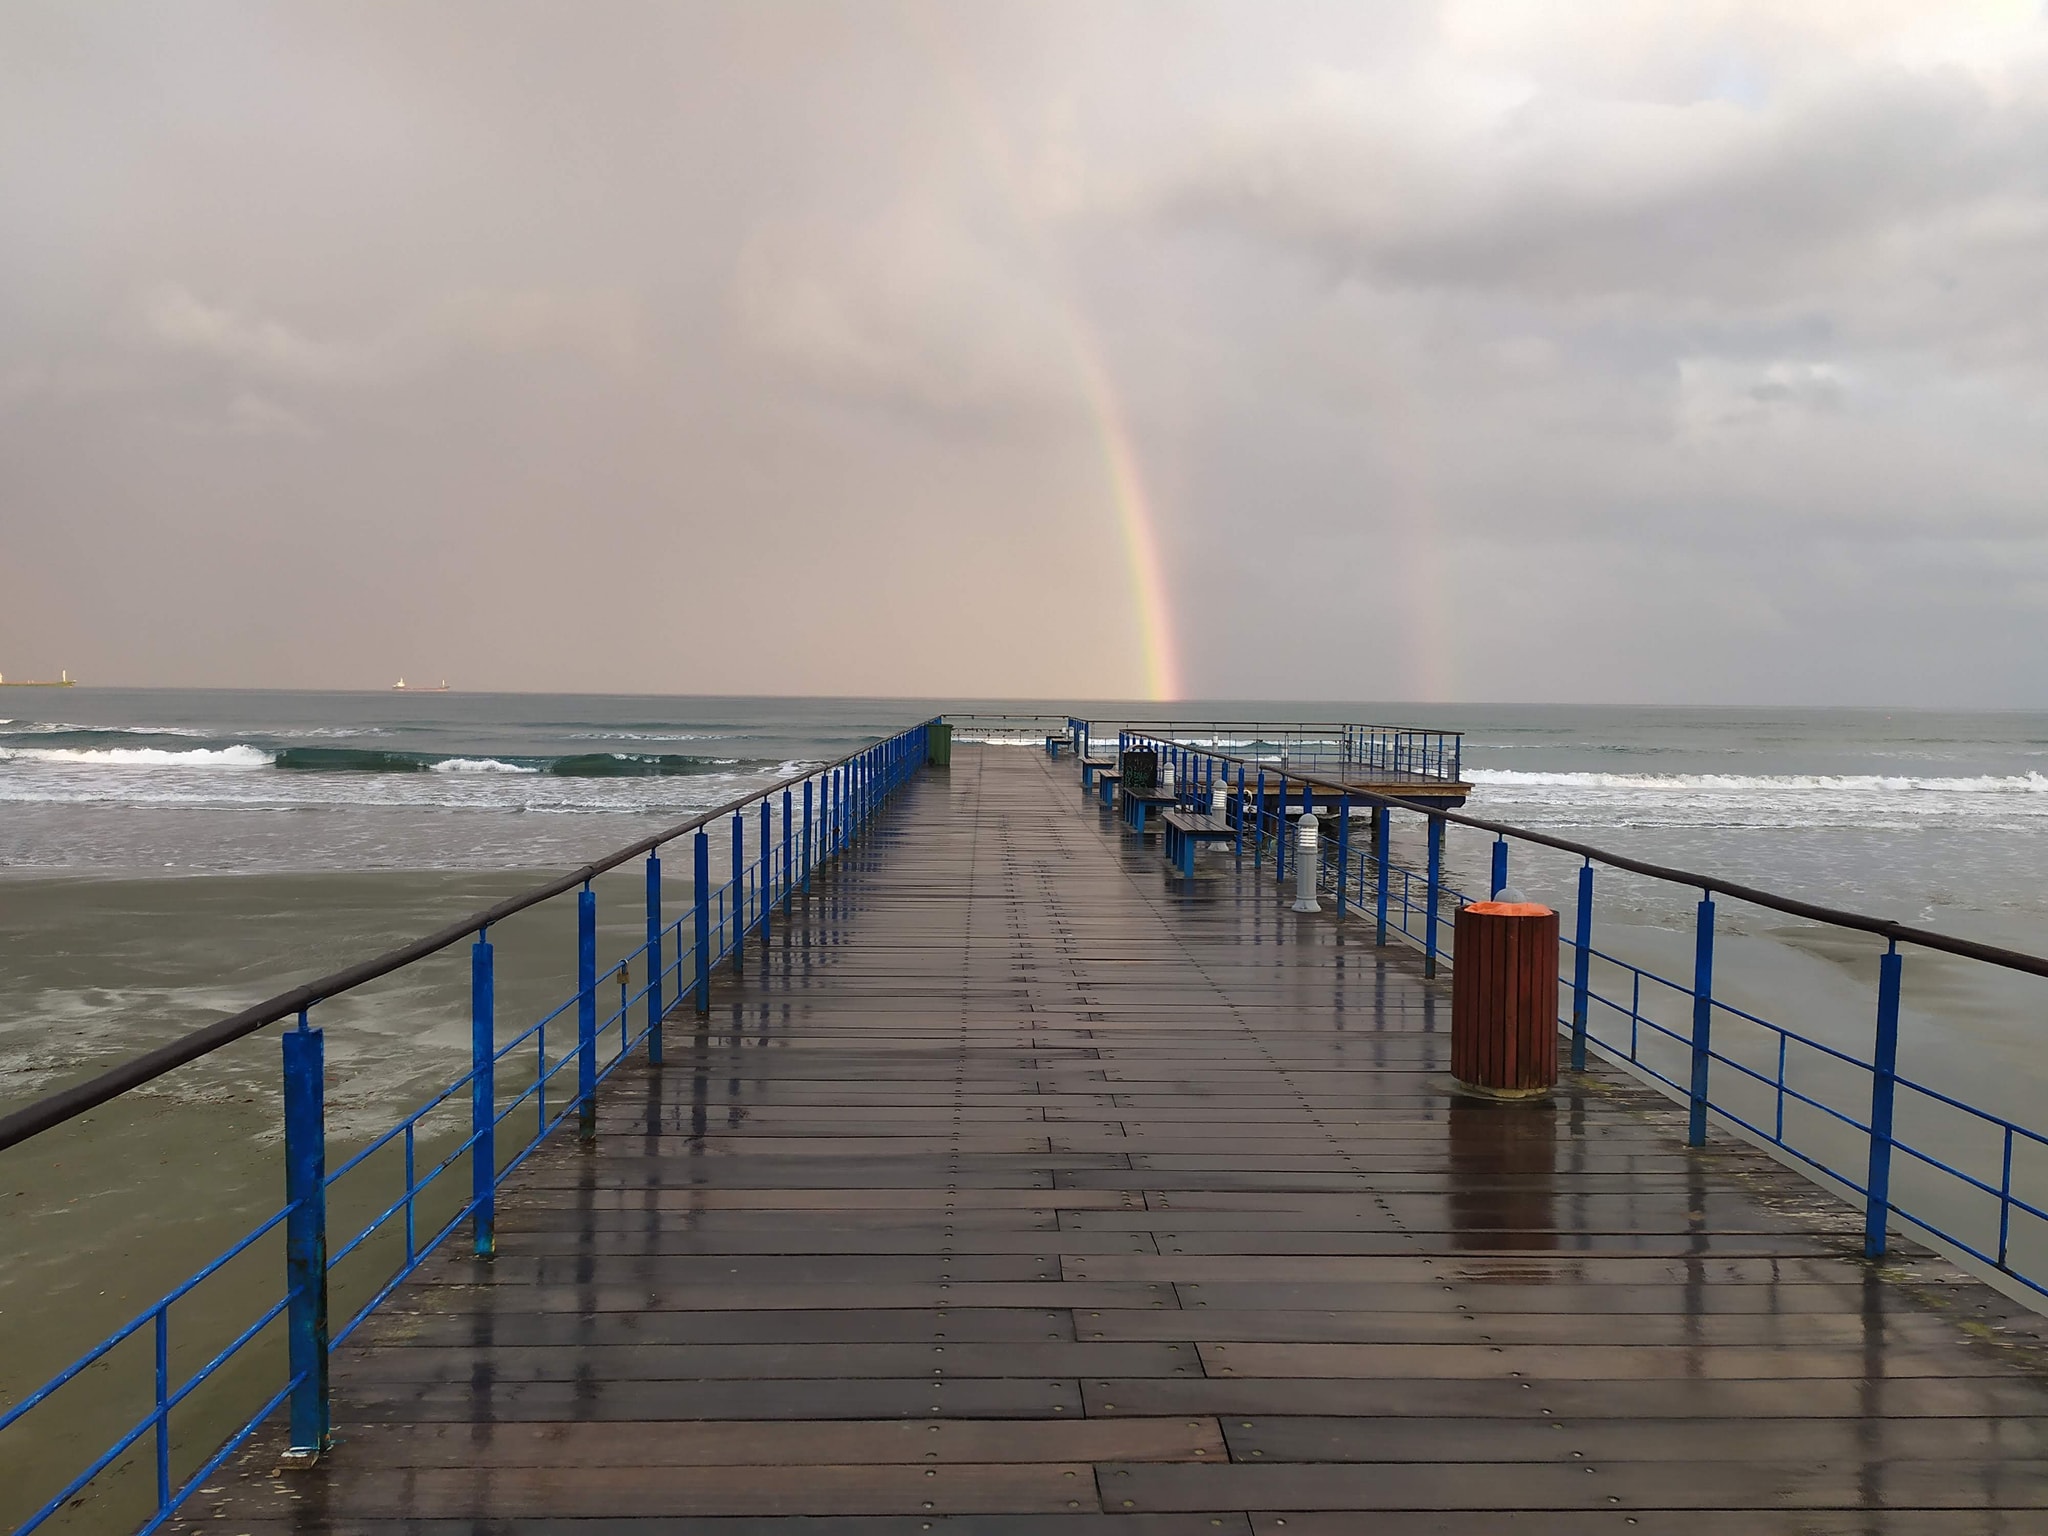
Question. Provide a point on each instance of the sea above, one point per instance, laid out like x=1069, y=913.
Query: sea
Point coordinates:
x=170, y=856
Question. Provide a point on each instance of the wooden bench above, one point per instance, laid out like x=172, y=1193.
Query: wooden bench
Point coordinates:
x=1186, y=829
x=1139, y=804
x=1091, y=766
x=1054, y=745
x=1106, y=781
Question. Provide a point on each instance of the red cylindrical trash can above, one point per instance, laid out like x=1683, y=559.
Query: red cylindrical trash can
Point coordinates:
x=1504, y=999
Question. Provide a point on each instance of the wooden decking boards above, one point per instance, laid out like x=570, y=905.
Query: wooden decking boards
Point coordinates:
x=1022, y=1188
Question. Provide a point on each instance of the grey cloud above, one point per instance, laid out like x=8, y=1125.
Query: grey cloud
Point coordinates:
x=1467, y=349
x=592, y=327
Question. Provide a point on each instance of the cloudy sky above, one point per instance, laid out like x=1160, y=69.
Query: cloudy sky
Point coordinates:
x=1478, y=350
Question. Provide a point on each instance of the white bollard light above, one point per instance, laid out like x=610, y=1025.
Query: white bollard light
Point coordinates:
x=1217, y=799
x=1308, y=864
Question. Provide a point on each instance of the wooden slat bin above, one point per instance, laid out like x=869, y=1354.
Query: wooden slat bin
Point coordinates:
x=1504, y=999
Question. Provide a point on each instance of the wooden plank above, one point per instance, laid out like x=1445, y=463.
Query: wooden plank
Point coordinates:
x=1011, y=1193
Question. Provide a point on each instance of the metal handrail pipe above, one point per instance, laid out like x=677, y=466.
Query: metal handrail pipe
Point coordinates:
x=69, y=1103
x=1882, y=927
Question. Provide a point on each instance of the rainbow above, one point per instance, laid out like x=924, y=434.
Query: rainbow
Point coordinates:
x=1160, y=657
x=1159, y=654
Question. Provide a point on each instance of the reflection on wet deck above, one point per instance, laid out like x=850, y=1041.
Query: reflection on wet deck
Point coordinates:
x=1021, y=1188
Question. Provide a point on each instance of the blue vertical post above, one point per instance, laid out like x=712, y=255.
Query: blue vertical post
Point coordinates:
x=1582, y=963
x=1280, y=833
x=654, y=975
x=1436, y=885
x=788, y=850
x=1382, y=835
x=739, y=892
x=1702, y=1021
x=483, y=1094
x=701, y=858
x=1884, y=1068
x=586, y=1014
x=1259, y=822
x=1500, y=867
x=1343, y=851
x=809, y=851
x=767, y=876
x=1237, y=848
x=305, y=1239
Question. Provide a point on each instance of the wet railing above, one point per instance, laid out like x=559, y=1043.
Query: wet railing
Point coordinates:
x=1907, y=1142
x=1302, y=746
x=778, y=839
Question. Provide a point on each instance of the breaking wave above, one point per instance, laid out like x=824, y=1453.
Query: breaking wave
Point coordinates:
x=238, y=756
x=1730, y=783
x=242, y=755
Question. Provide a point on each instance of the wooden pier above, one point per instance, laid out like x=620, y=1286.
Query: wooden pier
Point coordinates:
x=1018, y=1187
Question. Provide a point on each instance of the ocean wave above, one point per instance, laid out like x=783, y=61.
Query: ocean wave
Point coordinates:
x=1787, y=783
x=582, y=765
x=67, y=728
x=238, y=756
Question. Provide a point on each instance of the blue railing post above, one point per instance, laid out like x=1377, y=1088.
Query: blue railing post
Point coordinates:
x=654, y=977
x=483, y=1094
x=1343, y=851
x=1280, y=833
x=1884, y=1067
x=1582, y=963
x=1259, y=823
x=1382, y=834
x=1237, y=848
x=586, y=1014
x=1436, y=885
x=701, y=856
x=766, y=879
x=305, y=1240
x=1702, y=1021
x=739, y=892
x=809, y=860
x=788, y=850
x=1500, y=867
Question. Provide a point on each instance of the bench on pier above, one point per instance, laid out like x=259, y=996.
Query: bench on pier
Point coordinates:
x=1186, y=829
x=1138, y=805
x=1056, y=744
x=1106, y=781
x=1090, y=766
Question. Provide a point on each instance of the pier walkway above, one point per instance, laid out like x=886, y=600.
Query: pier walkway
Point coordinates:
x=1020, y=1188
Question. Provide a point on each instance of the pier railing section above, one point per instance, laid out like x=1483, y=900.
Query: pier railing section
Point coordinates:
x=1686, y=999
x=1377, y=752
x=519, y=1090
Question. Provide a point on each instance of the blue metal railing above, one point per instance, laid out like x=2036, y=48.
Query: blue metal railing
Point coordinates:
x=1310, y=746
x=1849, y=1116
x=837, y=801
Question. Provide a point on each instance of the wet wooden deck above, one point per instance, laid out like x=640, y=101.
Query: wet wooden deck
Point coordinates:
x=1026, y=1190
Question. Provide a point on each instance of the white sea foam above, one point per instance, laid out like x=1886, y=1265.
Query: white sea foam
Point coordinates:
x=237, y=756
x=1789, y=783
x=480, y=765
x=67, y=728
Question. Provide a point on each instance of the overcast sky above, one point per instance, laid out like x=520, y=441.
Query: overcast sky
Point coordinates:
x=1689, y=352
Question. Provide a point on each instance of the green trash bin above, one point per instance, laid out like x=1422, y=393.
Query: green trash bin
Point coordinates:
x=939, y=745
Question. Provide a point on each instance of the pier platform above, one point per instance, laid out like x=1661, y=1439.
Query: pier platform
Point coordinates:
x=1019, y=1186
